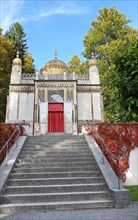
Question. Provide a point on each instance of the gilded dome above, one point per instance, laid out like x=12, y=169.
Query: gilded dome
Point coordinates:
x=17, y=60
x=55, y=66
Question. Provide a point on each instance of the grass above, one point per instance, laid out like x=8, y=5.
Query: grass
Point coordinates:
x=133, y=192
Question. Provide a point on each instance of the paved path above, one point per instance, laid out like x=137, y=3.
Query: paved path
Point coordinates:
x=130, y=213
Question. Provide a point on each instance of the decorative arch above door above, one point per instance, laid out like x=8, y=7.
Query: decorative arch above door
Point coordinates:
x=56, y=98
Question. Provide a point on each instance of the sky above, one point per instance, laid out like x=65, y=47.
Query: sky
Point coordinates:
x=60, y=25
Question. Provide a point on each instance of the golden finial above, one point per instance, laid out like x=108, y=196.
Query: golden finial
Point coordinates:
x=17, y=54
x=92, y=55
x=56, y=54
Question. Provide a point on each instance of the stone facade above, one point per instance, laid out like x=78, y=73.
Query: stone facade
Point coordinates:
x=30, y=95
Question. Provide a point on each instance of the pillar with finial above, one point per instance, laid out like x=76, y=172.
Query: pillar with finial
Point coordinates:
x=16, y=70
x=93, y=71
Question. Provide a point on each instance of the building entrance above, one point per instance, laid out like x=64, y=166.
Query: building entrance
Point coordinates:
x=56, y=117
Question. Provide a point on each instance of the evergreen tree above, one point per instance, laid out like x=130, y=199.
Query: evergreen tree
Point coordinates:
x=16, y=36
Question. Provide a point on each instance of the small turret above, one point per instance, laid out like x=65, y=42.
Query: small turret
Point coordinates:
x=93, y=71
x=16, y=70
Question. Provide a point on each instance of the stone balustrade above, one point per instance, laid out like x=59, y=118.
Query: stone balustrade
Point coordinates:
x=30, y=77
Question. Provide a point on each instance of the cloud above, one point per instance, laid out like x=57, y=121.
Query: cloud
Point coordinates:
x=61, y=10
x=10, y=11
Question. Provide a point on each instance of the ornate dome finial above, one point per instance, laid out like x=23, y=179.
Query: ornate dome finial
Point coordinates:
x=56, y=54
x=17, y=54
x=17, y=60
x=92, y=55
x=93, y=61
x=55, y=66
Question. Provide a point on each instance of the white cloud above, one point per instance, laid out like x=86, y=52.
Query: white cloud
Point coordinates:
x=10, y=11
x=62, y=10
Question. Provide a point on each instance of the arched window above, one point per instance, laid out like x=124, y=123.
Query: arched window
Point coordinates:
x=55, y=98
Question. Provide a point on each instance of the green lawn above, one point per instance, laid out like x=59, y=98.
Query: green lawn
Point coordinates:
x=134, y=192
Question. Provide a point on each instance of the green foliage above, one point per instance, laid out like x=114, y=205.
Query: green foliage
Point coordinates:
x=75, y=65
x=125, y=78
x=28, y=66
x=6, y=51
x=16, y=36
x=107, y=33
x=106, y=36
x=13, y=40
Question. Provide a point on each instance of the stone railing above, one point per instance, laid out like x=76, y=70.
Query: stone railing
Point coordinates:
x=29, y=77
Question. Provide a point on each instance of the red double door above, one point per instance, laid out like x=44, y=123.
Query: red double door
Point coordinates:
x=56, y=117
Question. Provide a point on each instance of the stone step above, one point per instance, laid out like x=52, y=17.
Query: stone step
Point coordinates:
x=65, y=205
x=55, y=188
x=55, y=158
x=54, y=197
x=55, y=175
x=57, y=154
x=54, y=169
x=55, y=172
x=51, y=160
x=58, y=141
x=55, y=138
x=55, y=147
x=55, y=164
x=53, y=181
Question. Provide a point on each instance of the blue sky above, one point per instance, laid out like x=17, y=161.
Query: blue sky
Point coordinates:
x=57, y=24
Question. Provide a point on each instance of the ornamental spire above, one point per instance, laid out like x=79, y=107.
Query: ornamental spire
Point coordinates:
x=17, y=54
x=92, y=55
x=56, y=54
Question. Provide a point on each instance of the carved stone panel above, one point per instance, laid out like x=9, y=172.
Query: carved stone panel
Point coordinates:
x=41, y=95
x=69, y=95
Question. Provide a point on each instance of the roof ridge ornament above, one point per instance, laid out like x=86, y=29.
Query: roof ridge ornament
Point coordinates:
x=56, y=56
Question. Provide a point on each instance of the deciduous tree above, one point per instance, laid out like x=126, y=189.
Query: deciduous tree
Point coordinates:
x=107, y=34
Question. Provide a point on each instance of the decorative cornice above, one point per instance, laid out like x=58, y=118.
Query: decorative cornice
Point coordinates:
x=88, y=88
x=55, y=84
x=22, y=88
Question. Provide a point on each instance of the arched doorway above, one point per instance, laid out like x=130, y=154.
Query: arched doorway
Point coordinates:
x=55, y=113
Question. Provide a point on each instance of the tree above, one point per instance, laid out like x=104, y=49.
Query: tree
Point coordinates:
x=9, y=43
x=6, y=51
x=74, y=63
x=106, y=36
x=125, y=78
x=28, y=64
x=107, y=33
x=16, y=36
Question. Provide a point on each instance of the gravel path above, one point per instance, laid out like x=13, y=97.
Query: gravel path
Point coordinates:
x=130, y=213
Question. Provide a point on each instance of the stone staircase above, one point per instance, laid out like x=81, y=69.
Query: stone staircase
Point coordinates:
x=55, y=172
